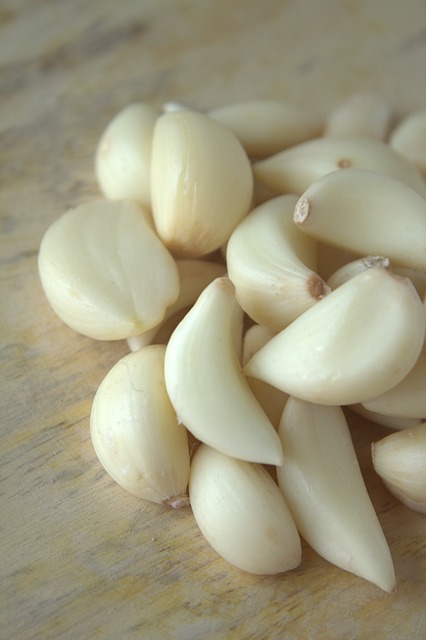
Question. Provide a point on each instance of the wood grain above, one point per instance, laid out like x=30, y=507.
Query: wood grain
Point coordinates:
x=79, y=557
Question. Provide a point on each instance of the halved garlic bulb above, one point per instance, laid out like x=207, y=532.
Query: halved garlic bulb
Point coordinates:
x=135, y=432
x=409, y=139
x=362, y=114
x=105, y=272
x=242, y=513
x=323, y=486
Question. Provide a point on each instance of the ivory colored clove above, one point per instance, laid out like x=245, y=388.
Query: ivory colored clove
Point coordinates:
x=323, y=486
x=351, y=269
x=362, y=114
x=409, y=139
x=386, y=421
x=242, y=513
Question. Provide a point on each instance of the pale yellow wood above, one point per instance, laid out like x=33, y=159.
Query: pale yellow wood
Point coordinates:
x=79, y=558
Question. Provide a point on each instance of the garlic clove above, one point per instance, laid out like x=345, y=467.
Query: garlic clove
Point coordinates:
x=242, y=513
x=362, y=114
x=123, y=154
x=269, y=262
x=418, y=278
x=360, y=210
x=201, y=183
x=385, y=421
x=400, y=460
x=135, y=433
x=105, y=272
x=409, y=139
x=323, y=486
x=205, y=384
x=351, y=269
x=365, y=335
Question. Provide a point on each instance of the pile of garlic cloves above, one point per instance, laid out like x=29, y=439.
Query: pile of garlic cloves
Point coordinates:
x=267, y=267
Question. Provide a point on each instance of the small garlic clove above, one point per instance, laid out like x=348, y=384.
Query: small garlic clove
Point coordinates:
x=123, y=155
x=295, y=169
x=360, y=210
x=201, y=183
x=205, y=384
x=365, y=335
x=323, y=486
x=135, y=433
x=351, y=269
x=362, y=114
x=400, y=460
x=265, y=127
x=242, y=513
x=409, y=139
x=105, y=272
x=418, y=278
x=269, y=262
x=385, y=421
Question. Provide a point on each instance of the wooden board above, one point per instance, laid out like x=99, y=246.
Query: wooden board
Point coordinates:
x=80, y=558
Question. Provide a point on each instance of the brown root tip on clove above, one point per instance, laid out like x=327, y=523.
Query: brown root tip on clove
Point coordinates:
x=317, y=287
x=344, y=163
x=177, y=502
x=302, y=210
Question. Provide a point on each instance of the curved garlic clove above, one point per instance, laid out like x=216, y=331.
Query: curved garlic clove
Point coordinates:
x=400, y=460
x=409, y=139
x=418, y=278
x=265, y=127
x=135, y=433
x=295, y=169
x=201, y=183
x=242, y=513
x=360, y=210
x=105, y=272
x=205, y=384
x=324, y=488
x=385, y=421
x=123, y=154
x=267, y=260
x=362, y=114
x=351, y=269
x=364, y=336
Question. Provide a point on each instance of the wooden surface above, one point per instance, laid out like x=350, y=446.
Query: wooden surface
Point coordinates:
x=81, y=559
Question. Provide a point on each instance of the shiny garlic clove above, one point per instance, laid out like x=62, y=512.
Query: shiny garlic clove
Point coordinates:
x=265, y=127
x=400, y=460
x=205, y=384
x=201, y=183
x=267, y=258
x=385, y=421
x=365, y=335
x=362, y=114
x=368, y=213
x=351, y=269
x=105, y=272
x=295, y=169
x=194, y=276
x=242, y=513
x=409, y=139
x=323, y=486
x=123, y=155
x=135, y=432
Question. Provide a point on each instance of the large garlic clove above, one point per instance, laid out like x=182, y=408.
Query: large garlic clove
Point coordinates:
x=201, y=182
x=400, y=460
x=295, y=169
x=242, y=513
x=351, y=269
x=205, y=384
x=194, y=276
x=123, y=155
x=268, y=258
x=385, y=421
x=365, y=335
x=360, y=210
x=135, y=432
x=105, y=272
x=265, y=127
x=322, y=483
x=409, y=139
x=362, y=114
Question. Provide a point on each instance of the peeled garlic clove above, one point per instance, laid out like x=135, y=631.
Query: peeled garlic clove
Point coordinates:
x=201, y=183
x=400, y=460
x=242, y=513
x=362, y=114
x=135, y=432
x=295, y=169
x=365, y=335
x=351, y=269
x=123, y=155
x=267, y=260
x=418, y=278
x=409, y=139
x=361, y=211
x=205, y=384
x=265, y=127
x=323, y=486
x=386, y=421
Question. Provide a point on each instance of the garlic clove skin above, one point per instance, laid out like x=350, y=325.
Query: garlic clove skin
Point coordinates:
x=360, y=210
x=105, y=272
x=362, y=114
x=351, y=269
x=135, y=432
x=386, y=421
x=400, y=460
x=409, y=139
x=365, y=335
x=201, y=183
x=123, y=154
x=324, y=488
x=269, y=262
x=242, y=513
x=206, y=386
